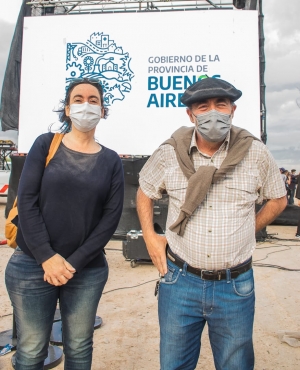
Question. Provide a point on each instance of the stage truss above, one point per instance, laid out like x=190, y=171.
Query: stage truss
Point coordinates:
x=96, y=6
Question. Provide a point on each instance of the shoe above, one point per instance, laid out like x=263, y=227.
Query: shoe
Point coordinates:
x=297, y=236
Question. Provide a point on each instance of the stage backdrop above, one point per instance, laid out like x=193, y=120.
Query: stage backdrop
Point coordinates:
x=144, y=61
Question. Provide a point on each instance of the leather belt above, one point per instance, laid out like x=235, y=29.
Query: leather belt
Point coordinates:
x=211, y=274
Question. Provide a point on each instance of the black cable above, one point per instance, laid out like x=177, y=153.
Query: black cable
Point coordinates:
x=9, y=314
x=271, y=265
x=273, y=246
x=275, y=266
x=282, y=245
x=129, y=287
x=287, y=240
x=282, y=250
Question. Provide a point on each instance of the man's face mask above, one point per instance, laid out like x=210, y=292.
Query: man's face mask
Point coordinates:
x=85, y=116
x=213, y=126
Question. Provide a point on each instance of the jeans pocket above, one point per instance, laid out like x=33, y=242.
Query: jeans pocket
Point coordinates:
x=17, y=253
x=243, y=285
x=171, y=276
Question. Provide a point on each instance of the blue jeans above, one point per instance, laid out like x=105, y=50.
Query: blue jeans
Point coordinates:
x=291, y=197
x=34, y=302
x=186, y=303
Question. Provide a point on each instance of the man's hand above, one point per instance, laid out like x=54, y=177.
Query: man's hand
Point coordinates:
x=57, y=270
x=156, y=245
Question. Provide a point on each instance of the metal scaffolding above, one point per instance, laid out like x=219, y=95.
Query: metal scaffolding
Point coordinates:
x=45, y=7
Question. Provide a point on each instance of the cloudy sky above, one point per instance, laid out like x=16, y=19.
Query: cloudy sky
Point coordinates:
x=282, y=48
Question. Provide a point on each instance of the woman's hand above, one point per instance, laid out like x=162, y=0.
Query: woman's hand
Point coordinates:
x=57, y=270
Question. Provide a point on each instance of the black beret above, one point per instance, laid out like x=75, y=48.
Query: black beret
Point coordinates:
x=209, y=88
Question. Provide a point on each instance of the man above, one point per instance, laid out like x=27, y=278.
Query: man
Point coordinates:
x=213, y=173
x=292, y=186
x=282, y=173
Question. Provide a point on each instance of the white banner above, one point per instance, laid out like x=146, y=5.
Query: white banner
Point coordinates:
x=144, y=61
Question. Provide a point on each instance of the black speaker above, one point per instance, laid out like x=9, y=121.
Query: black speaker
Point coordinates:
x=129, y=219
x=17, y=164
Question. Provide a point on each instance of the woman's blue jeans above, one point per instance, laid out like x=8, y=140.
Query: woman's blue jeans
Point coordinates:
x=34, y=302
x=186, y=303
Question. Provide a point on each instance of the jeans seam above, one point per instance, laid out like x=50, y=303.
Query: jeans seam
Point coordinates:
x=242, y=295
x=171, y=282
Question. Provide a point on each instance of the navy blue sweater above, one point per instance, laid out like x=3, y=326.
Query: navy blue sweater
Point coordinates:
x=71, y=207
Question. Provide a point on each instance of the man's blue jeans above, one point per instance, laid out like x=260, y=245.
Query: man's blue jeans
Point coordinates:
x=34, y=302
x=186, y=303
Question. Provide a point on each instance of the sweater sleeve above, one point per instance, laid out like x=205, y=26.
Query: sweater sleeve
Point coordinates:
x=103, y=232
x=30, y=218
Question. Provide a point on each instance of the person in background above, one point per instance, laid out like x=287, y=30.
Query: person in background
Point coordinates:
x=283, y=176
x=287, y=183
x=297, y=196
x=68, y=212
x=292, y=186
x=214, y=173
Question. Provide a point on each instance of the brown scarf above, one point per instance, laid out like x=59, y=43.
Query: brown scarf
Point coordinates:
x=199, y=182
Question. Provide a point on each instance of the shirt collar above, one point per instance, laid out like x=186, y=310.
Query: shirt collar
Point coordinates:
x=224, y=146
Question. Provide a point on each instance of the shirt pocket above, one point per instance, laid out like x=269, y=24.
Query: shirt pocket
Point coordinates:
x=241, y=188
x=176, y=184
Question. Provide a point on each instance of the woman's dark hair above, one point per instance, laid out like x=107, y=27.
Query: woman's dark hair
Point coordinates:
x=62, y=112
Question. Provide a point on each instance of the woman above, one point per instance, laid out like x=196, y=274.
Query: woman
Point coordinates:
x=287, y=184
x=68, y=212
x=297, y=196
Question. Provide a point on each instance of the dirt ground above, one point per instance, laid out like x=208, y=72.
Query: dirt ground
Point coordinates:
x=129, y=336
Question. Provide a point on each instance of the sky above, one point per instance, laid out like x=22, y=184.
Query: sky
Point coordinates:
x=282, y=76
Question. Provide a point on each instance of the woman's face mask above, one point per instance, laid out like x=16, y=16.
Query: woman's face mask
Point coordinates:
x=85, y=116
x=213, y=126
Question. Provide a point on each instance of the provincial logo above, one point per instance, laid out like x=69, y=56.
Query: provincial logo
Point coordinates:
x=99, y=57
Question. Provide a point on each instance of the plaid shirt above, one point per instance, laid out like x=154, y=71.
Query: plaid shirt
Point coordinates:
x=221, y=232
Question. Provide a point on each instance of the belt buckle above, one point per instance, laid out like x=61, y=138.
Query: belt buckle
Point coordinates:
x=206, y=271
x=211, y=272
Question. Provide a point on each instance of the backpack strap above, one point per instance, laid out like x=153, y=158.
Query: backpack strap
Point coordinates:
x=10, y=224
x=57, y=138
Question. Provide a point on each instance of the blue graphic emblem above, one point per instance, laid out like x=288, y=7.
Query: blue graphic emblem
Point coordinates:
x=99, y=57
